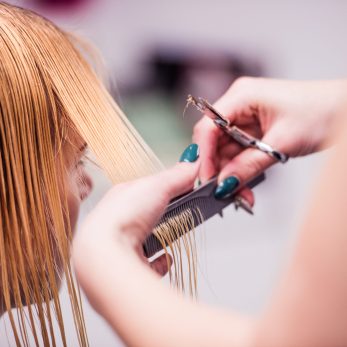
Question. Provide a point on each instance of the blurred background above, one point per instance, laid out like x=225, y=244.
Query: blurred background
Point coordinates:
x=156, y=52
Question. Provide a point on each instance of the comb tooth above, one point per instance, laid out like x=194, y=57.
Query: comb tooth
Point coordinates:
x=152, y=245
x=200, y=202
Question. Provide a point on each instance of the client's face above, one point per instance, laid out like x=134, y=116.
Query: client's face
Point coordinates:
x=78, y=186
x=78, y=182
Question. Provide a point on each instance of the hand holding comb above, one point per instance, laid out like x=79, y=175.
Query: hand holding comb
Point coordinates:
x=202, y=204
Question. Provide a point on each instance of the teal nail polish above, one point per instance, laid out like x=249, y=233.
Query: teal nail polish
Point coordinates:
x=226, y=187
x=190, y=154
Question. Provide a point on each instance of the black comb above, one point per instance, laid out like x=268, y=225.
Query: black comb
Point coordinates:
x=201, y=199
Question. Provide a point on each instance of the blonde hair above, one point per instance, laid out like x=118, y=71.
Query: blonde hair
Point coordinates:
x=46, y=87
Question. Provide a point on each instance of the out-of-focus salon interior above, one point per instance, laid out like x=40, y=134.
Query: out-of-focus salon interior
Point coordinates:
x=154, y=54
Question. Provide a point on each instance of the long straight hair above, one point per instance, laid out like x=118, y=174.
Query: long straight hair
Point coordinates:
x=46, y=87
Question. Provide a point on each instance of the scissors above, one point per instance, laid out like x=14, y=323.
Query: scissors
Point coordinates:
x=236, y=133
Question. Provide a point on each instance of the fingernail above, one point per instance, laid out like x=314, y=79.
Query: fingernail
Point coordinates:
x=226, y=187
x=190, y=154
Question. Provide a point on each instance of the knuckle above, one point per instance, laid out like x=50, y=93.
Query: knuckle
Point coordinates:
x=254, y=165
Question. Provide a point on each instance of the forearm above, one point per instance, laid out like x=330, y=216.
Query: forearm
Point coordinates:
x=144, y=312
x=310, y=306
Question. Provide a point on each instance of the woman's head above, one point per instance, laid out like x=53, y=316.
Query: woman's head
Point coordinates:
x=42, y=180
x=51, y=105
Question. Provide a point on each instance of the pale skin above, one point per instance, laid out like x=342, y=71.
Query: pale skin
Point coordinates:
x=309, y=307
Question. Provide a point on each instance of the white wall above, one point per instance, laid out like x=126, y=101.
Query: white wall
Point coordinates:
x=296, y=39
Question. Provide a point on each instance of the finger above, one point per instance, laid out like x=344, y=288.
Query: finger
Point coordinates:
x=177, y=180
x=228, y=147
x=245, y=166
x=162, y=264
x=206, y=135
x=238, y=103
x=248, y=195
x=237, y=107
x=229, y=151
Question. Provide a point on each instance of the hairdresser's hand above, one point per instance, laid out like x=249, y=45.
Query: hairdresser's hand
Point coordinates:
x=123, y=219
x=293, y=117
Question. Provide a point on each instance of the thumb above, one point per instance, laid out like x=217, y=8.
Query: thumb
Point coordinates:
x=178, y=180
